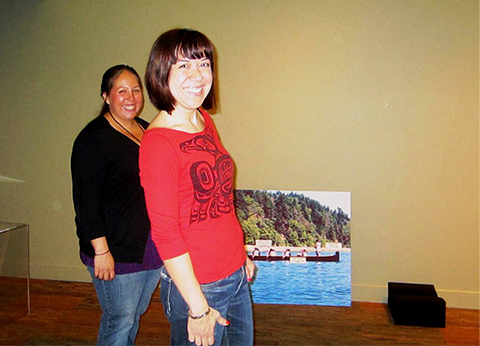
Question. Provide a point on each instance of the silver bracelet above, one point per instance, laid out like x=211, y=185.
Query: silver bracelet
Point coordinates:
x=198, y=316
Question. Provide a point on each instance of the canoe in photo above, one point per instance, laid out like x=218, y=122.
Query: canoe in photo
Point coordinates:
x=326, y=258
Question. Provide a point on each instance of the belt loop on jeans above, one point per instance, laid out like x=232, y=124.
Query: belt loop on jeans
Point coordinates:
x=242, y=269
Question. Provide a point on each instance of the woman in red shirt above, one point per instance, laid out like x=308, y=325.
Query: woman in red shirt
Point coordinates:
x=188, y=176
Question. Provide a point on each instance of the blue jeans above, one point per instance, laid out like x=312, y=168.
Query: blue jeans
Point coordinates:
x=230, y=296
x=123, y=300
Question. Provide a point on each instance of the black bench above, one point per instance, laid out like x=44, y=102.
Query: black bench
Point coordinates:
x=416, y=305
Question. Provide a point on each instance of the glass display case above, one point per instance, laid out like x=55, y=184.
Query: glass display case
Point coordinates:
x=14, y=271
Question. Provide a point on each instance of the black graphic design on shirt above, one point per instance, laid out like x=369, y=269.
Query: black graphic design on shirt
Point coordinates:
x=212, y=185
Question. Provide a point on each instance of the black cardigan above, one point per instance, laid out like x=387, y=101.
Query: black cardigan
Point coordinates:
x=107, y=195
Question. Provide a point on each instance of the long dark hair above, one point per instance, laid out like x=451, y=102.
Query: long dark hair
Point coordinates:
x=109, y=78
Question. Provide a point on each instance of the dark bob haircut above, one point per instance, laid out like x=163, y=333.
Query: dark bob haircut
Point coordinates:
x=109, y=78
x=164, y=54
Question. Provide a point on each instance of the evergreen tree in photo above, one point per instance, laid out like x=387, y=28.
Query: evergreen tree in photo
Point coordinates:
x=289, y=219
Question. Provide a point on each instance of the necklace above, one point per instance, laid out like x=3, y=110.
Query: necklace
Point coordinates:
x=131, y=134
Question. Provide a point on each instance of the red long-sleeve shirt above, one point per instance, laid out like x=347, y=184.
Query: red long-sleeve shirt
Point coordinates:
x=188, y=180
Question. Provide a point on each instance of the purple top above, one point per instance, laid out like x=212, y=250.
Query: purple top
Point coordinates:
x=151, y=260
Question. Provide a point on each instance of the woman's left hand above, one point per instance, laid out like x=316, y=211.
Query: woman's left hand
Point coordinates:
x=250, y=269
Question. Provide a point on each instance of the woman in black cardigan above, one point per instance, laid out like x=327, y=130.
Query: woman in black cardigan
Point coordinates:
x=111, y=218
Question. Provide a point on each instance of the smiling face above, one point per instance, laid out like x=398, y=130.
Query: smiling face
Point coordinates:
x=125, y=98
x=190, y=82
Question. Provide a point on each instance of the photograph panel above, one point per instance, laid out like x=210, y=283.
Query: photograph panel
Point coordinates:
x=300, y=243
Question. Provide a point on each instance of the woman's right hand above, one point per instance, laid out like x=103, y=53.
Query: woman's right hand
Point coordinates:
x=201, y=331
x=104, y=266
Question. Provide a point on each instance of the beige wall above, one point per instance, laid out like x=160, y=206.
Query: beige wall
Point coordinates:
x=376, y=97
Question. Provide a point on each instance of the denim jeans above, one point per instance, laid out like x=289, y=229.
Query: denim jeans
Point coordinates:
x=123, y=300
x=230, y=296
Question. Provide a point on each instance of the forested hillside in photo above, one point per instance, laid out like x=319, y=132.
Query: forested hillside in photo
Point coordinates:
x=289, y=219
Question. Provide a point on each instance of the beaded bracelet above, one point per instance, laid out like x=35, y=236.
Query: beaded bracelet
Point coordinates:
x=103, y=253
x=199, y=316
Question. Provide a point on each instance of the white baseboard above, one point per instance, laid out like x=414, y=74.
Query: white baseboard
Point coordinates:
x=59, y=272
x=453, y=298
x=361, y=293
